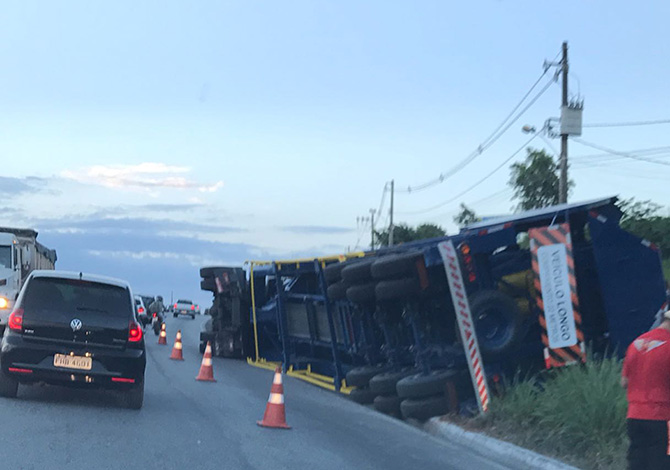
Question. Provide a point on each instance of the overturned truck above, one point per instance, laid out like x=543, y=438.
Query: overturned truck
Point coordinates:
x=381, y=326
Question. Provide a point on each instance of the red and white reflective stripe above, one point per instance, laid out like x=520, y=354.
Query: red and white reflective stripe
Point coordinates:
x=277, y=379
x=219, y=287
x=465, y=324
x=276, y=398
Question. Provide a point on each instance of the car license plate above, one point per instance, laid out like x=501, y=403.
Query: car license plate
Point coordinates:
x=73, y=362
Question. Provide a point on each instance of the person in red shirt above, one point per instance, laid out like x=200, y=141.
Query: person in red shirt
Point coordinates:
x=646, y=376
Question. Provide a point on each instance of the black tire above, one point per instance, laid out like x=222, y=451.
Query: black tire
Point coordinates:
x=388, y=404
x=424, y=408
x=498, y=322
x=208, y=272
x=337, y=291
x=362, y=396
x=420, y=385
x=193, y=316
x=157, y=328
x=357, y=273
x=385, y=383
x=208, y=284
x=362, y=293
x=396, y=289
x=396, y=266
x=135, y=397
x=203, y=346
x=9, y=387
x=333, y=272
x=360, y=376
x=175, y=315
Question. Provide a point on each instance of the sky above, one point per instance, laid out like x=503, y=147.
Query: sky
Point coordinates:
x=144, y=140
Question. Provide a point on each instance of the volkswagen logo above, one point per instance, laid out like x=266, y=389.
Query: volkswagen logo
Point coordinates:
x=75, y=324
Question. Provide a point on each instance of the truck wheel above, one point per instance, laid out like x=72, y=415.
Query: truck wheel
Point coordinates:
x=388, y=404
x=397, y=289
x=362, y=395
x=424, y=408
x=135, y=397
x=362, y=293
x=498, y=322
x=395, y=266
x=208, y=272
x=357, y=273
x=333, y=272
x=9, y=387
x=420, y=385
x=337, y=291
x=360, y=376
x=385, y=383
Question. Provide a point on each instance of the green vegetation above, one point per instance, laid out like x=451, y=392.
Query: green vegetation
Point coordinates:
x=576, y=414
x=403, y=233
x=535, y=180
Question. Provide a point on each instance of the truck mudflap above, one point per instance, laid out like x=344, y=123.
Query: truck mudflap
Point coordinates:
x=630, y=274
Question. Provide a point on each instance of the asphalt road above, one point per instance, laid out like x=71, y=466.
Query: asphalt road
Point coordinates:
x=186, y=424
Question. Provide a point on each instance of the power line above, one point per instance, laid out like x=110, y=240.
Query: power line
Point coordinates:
x=600, y=156
x=616, y=152
x=628, y=124
x=470, y=188
x=381, y=204
x=489, y=141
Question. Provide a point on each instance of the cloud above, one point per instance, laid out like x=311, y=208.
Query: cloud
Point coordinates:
x=10, y=186
x=147, y=176
x=96, y=225
x=317, y=229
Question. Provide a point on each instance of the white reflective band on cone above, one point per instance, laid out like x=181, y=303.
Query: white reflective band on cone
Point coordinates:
x=277, y=379
x=276, y=399
x=207, y=361
x=177, y=346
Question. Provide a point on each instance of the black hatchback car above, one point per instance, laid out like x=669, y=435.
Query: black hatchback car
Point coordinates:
x=74, y=329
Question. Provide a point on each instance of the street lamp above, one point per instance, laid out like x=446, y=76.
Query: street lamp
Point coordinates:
x=528, y=129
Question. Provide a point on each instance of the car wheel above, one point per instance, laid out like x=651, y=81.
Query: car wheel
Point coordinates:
x=424, y=408
x=175, y=315
x=9, y=387
x=203, y=346
x=192, y=317
x=135, y=397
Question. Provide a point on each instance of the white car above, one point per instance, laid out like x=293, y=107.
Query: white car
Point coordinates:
x=185, y=307
x=141, y=311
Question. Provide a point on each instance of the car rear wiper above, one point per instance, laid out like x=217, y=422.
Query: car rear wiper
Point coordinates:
x=91, y=309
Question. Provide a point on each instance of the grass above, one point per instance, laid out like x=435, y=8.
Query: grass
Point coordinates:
x=576, y=414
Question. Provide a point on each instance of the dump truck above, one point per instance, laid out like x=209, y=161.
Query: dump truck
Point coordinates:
x=20, y=254
x=542, y=285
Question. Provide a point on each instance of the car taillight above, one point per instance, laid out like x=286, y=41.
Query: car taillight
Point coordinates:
x=140, y=310
x=192, y=307
x=134, y=333
x=15, y=321
x=155, y=314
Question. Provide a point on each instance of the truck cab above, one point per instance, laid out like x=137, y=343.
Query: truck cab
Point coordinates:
x=10, y=273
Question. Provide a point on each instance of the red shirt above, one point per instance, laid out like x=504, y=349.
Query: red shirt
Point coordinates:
x=647, y=368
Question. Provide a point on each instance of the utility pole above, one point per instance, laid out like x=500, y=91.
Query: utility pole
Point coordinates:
x=372, y=229
x=391, y=217
x=563, y=163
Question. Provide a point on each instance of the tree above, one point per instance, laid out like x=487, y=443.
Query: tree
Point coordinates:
x=465, y=216
x=403, y=233
x=642, y=218
x=535, y=181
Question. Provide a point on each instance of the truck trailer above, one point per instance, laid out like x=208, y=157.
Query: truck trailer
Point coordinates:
x=20, y=254
x=543, y=286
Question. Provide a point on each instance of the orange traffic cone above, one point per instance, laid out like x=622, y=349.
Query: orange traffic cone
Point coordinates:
x=176, y=349
x=275, y=414
x=162, y=338
x=206, y=373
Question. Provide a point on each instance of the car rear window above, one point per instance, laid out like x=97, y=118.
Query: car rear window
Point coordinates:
x=184, y=302
x=74, y=295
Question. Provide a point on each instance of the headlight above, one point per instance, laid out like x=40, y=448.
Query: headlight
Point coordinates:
x=3, y=303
